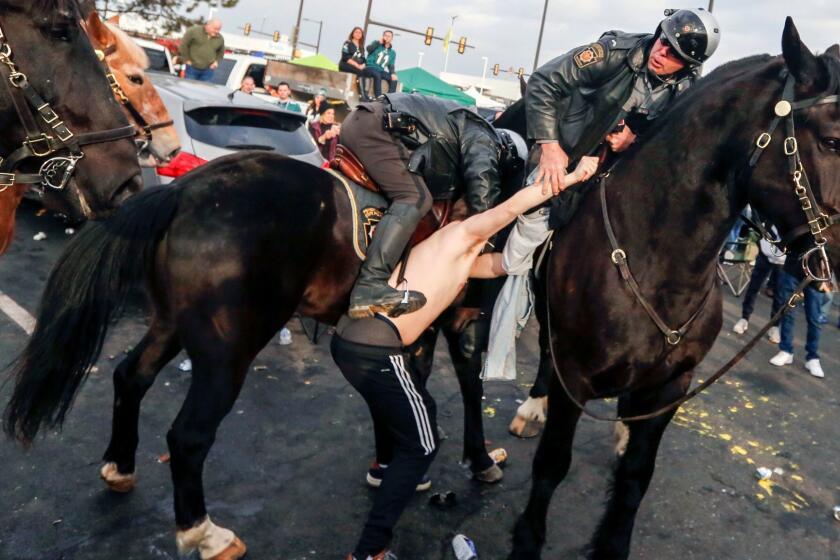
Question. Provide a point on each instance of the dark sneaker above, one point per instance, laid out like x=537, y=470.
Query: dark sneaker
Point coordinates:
x=376, y=472
x=386, y=300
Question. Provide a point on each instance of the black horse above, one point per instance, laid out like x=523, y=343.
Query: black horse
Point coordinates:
x=671, y=201
x=232, y=250
x=48, y=46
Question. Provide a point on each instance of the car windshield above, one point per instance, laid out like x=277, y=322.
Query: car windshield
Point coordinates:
x=157, y=60
x=241, y=128
x=222, y=72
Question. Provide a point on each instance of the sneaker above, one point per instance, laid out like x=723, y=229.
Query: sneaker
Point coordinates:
x=376, y=472
x=741, y=326
x=774, y=335
x=782, y=359
x=814, y=368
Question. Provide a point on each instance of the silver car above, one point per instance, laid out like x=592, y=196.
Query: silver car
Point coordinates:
x=212, y=121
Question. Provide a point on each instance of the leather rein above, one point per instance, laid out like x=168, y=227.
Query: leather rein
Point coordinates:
x=817, y=223
x=36, y=115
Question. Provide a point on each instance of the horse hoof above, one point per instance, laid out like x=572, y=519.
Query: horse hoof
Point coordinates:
x=490, y=475
x=522, y=428
x=116, y=481
x=236, y=550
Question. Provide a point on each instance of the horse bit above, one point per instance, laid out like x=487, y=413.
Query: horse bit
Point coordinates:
x=145, y=134
x=57, y=171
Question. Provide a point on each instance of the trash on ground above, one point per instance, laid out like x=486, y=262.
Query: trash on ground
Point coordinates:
x=464, y=548
x=186, y=365
x=499, y=456
x=763, y=473
x=163, y=458
x=285, y=337
x=779, y=471
x=490, y=411
x=443, y=500
x=837, y=513
x=40, y=236
x=69, y=231
x=57, y=521
x=260, y=368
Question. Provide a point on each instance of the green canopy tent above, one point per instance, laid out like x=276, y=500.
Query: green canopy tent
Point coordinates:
x=417, y=80
x=317, y=61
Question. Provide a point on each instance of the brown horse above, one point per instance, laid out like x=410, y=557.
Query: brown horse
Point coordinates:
x=126, y=62
x=47, y=46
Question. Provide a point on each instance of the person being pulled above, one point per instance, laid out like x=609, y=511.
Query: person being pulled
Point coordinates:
x=416, y=148
x=603, y=94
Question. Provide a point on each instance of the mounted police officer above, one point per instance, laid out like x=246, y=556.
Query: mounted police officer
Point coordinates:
x=419, y=148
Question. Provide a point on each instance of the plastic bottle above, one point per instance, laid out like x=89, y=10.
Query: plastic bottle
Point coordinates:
x=464, y=548
x=285, y=336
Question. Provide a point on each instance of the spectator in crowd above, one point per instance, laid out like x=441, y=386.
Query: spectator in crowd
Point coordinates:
x=314, y=107
x=283, y=93
x=792, y=275
x=353, y=58
x=381, y=63
x=325, y=131
x=768, y=263
x=202, y=47
x=248, y=85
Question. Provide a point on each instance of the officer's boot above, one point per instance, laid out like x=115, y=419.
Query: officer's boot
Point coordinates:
x=372, y=294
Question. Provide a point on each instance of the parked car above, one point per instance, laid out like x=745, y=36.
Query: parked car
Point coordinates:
x=160, y=59
x=213, y=121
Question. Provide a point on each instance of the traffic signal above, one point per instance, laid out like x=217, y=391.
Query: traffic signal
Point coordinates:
x=430, y=34
x=247, y=29
x=462, y=45
x=495, y=69
x=520, y=72
x=276, y=37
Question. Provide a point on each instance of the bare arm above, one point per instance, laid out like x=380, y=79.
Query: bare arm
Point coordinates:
x=482, y=226
x=488, y=265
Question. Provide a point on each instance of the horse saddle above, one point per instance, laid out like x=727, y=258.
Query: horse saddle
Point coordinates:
x=346, y=163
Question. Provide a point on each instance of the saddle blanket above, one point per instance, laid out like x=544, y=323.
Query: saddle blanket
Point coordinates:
x=368, y=209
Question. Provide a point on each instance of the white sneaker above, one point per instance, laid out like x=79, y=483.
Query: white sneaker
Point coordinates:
x=814, y=368
x=774, y=335
x=741, y=326
x=782, y=359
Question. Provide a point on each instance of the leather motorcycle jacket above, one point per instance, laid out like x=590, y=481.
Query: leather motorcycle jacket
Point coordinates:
x=452, y=148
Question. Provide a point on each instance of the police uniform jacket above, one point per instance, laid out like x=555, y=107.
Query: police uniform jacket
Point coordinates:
x=579, y=97
x=453, y=149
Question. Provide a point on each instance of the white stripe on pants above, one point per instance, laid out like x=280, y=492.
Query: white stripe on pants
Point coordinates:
x=418, y=407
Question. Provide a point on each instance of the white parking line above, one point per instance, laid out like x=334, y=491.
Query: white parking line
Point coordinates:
x=17, y=313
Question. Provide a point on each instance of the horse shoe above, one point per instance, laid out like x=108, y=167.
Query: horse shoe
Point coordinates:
x=116, y=481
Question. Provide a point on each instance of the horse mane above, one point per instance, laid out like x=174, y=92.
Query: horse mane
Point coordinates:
x=126, y=45
x=50, y=7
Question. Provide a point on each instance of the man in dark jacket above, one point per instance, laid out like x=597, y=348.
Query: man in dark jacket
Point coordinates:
x=411, y=145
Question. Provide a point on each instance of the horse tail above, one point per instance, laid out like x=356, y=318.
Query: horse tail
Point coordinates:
x=86, y=290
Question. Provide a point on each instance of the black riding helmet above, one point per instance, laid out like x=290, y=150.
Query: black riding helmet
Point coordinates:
x=694, y=34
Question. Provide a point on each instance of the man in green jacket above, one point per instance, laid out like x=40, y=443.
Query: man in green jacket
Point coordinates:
x=202, y=47
x=381, y=63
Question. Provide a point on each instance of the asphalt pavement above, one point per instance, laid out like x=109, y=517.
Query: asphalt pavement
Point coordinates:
x=288, y=466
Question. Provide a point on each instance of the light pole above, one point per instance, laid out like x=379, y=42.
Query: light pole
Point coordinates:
x=711, y=5
x=448, y=37
x=539, y=40
x=483, y=75
x=420, y=59
x=296, y=34
x=320, y=27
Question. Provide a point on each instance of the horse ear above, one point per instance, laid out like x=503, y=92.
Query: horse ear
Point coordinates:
x=98, y=31
x=801, y=62
x=833, y=50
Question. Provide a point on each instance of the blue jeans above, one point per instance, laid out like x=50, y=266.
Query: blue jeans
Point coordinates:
x=379, y=75
x=813, y=303
x=763, y=268
x=194, y=73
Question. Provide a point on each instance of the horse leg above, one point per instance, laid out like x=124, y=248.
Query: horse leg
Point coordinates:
x=132, y=378
x=217, y=378
x=465, y=349
x=551, y=464
x=633, y=473
x=531, y=414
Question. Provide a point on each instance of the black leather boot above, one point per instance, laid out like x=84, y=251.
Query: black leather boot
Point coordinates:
x=372, y=294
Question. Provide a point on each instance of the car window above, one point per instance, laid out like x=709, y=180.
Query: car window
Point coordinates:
x=221, y=74
x=257, y=71
x=241, y=128
x=157, y=60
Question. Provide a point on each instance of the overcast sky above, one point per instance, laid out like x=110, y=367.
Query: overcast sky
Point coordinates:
x=506, y=31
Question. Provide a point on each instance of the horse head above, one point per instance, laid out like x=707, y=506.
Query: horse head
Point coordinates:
x=798, y=176
x=144, y=108
x=48, y=52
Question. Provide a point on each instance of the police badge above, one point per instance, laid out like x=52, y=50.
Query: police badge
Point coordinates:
x=589, y=55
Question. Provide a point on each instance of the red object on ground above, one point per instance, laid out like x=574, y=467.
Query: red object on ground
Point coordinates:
x=180, y=165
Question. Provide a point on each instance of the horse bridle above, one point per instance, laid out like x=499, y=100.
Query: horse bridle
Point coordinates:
x=147, y=129
x=56, y=171
x=817, y=223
